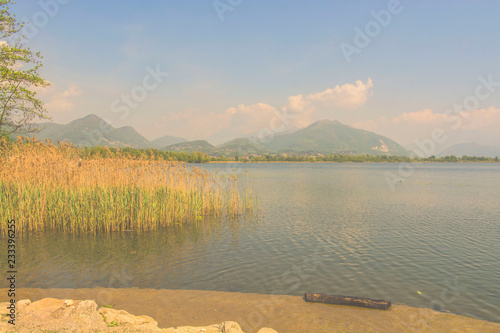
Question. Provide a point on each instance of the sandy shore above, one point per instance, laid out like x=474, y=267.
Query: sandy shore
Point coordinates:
x=288, y=314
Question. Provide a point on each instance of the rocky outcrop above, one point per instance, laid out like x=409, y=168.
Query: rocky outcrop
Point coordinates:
x=50, y=314
x=225, y=327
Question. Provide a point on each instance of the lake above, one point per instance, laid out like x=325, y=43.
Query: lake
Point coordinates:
x=433, y=240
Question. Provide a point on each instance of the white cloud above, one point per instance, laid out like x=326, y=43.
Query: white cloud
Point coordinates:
x=425, y=116
x=410, y=126
x=63, y=101
x=300, y=110
x=244, y=120
x=347, y=96
x=297, y=103
x=479, y=119
x=247, y=119
x=482, y=119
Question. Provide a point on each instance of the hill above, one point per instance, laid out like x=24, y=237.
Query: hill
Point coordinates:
x=235, y=147
x=191, y=146
x=166, y=140
x=470, y=149
x=322, y=137
x=91, y=131
x=332, y=137
x=241, y=147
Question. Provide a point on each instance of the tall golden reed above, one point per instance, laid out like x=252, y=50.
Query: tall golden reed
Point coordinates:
x=43, y=186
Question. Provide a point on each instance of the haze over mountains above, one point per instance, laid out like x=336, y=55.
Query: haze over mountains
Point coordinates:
x=470, y=149
x=322, y=137
x=165, y=141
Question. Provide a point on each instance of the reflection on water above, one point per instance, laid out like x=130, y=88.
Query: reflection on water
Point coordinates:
x=127, y=259
x=331, y=228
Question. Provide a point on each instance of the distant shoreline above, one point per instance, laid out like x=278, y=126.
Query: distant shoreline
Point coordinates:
x=353, y=162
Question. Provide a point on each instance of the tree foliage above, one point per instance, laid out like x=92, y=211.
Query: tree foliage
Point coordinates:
x=19, y=71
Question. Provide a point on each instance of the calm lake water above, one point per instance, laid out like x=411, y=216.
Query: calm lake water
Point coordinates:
x=332, y=228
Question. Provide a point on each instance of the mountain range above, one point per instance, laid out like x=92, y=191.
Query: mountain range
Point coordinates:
x=332, y=137
x=322, y=137
x=90, y=131
x=470, y=149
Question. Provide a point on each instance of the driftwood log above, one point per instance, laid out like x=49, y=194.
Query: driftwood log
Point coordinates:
x=346, y=300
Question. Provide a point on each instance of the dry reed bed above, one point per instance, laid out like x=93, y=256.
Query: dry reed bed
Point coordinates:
x=44, y=186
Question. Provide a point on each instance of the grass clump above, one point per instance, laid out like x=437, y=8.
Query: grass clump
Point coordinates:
x=45, y=186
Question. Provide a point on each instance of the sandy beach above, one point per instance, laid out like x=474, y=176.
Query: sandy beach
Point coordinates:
x=172, y=308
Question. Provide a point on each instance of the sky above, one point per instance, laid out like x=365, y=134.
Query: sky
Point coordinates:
x=419, y=72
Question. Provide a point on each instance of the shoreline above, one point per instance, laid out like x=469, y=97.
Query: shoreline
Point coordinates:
x=361, y=162
x=173, y=308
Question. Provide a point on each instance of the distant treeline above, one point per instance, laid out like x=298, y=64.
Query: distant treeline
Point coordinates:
x=141, y=153
x=200, y=157
x=340, y=158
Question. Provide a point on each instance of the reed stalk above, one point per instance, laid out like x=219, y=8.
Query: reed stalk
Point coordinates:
x=56, y=187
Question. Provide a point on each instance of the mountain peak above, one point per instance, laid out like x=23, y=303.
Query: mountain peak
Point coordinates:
x=91, y=117
x=165, y=141
x=332, y=137
x=322, y=137
x=91, y=131
x=91, y=120
x=325, y=122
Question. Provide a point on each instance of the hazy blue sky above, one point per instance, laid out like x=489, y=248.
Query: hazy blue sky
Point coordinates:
x=238, y=67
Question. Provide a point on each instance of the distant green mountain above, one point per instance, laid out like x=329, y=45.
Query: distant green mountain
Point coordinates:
x=91, y=131
x=49, y=129
x=191, y=146
x=332, y=137
x=242, y=147
x=470, y=149
x=166, y=140
x=235, y=147
x=323, y=137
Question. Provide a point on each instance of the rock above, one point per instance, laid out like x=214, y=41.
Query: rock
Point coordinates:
x=23, y=303
x=50, y=314
x=189, y=329
x=123, y=318
x=231, y=327
x=267, y=330
x=86, y=308
x=225, y=327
